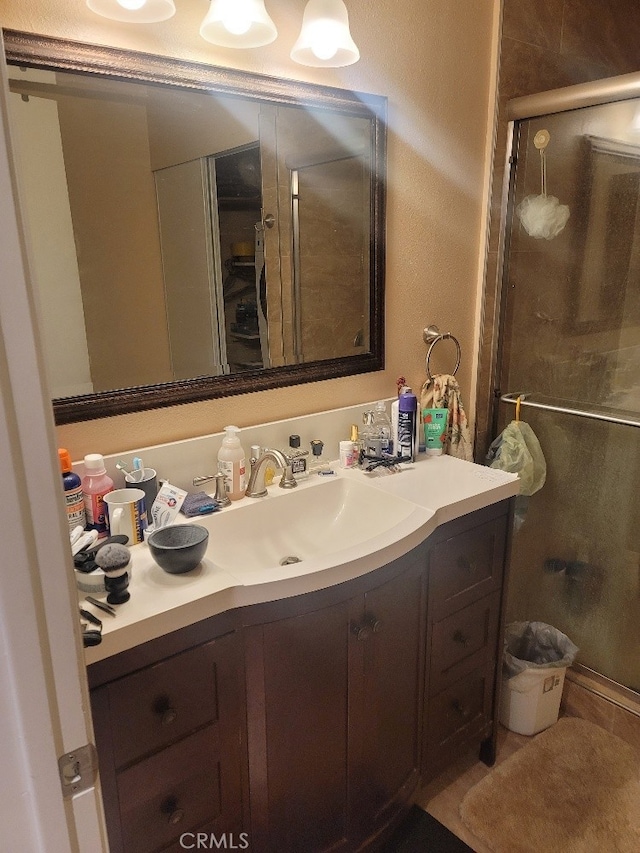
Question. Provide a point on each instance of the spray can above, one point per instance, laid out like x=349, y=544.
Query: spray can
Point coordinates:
x=407, y=413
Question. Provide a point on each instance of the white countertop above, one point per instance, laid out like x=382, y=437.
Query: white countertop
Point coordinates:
x=438, y=490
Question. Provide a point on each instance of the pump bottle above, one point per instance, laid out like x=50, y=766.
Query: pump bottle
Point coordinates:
x=231, y=463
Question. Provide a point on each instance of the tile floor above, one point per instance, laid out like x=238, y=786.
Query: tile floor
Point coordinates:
x=442, y=797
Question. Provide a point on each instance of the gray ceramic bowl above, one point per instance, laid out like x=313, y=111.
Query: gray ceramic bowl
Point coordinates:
x=178, y=548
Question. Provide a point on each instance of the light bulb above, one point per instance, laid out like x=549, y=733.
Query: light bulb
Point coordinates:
x=238, y=23
x=324, y=39
x=236, y=17
x=134, y=11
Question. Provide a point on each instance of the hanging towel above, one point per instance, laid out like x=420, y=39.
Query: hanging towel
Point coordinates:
x=443, y=392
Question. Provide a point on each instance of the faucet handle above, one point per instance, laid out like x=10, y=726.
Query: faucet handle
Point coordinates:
x=221, y=497
x=206, y=478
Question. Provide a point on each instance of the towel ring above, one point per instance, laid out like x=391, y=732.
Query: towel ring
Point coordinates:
x=432, y=336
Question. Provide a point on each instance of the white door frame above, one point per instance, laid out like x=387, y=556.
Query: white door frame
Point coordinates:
x=44, y=701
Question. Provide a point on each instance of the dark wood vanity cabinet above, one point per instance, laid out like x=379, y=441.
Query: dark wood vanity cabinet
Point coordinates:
x=308, y=723
x=333, y=712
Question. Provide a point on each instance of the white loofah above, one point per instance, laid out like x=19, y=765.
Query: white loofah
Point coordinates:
x=542, y=216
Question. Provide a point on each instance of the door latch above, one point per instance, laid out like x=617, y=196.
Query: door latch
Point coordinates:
x=78, y=770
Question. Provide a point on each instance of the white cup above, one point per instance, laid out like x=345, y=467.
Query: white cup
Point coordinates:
x=126, y=514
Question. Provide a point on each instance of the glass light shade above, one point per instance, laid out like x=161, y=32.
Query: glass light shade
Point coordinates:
x=238, y=23
x=325, y=39
x=134, y=11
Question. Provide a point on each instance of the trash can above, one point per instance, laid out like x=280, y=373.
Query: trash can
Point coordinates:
x=536, y=657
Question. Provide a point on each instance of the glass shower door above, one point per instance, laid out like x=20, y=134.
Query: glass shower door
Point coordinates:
x=570, y=340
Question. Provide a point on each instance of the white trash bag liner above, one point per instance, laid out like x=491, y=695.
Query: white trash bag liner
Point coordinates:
x=533, y=646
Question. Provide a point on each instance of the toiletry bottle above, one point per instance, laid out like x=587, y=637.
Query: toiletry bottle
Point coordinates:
x=395, y=409
x=407, y=413
x=231, y=463
x=365, y=432
x=379, y=439
x=298, y=463
x=350, y=450
x=95, y=485
x=72, y=485
x=319, y=466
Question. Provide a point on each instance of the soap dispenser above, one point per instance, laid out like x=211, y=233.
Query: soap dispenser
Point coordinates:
x=231, y=463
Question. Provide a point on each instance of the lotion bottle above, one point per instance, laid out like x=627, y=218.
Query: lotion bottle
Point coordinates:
x=231, y=463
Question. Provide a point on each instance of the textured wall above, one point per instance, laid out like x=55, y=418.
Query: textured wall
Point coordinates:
x=433, y=60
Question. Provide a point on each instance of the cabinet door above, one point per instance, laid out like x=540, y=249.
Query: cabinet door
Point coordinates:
x=334, y=705
x=297, y=684
x=386, y=730
x=186, y=768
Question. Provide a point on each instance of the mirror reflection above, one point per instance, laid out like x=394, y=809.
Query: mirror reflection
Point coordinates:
x=179, y=236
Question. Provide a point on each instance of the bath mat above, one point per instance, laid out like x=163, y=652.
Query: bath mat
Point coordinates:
x=574, y=788
x=421, y=833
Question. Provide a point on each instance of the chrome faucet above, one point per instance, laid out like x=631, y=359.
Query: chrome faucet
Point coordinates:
x=256, y=487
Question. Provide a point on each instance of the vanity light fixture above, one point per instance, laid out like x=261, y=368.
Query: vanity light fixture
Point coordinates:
x=134, y=11
x=325, y=39
x=238, y=23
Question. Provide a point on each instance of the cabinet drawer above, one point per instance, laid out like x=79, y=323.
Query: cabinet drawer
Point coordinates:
x=157, y=705
x=459, y=711
x=463, y=641
x=169, y=793
x=466, y=567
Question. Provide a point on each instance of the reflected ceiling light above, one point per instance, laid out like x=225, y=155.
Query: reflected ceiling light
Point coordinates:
x=134, y=11
x=238, y=23
x=325, y=39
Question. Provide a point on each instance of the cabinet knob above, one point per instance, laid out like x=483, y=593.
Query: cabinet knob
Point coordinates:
x=369, y=626
x=162, y=707
x=461, y=638
x=362, y=632
x=466, y=564
x=169, y=716
x=460, y=708
x=170, y=809
x=374, y=623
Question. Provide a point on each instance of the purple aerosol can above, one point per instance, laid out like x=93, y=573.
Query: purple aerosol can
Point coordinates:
x=407, y=414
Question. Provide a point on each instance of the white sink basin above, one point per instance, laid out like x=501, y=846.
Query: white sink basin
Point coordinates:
x=291, y=527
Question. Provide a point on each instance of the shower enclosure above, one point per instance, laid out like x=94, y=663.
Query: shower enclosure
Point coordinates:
x=570, y=344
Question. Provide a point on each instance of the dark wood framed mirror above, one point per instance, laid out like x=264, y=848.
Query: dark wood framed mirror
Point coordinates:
x=283, y=229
